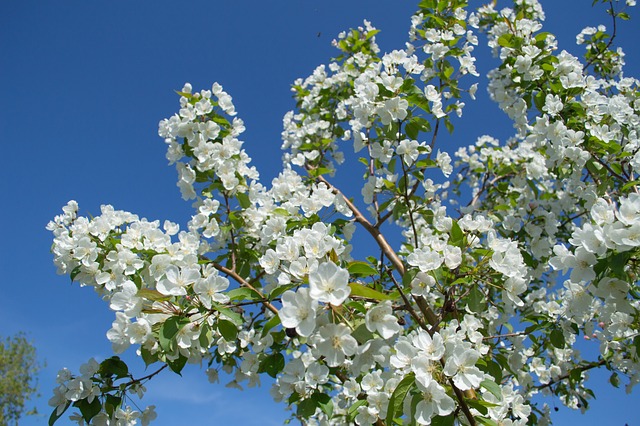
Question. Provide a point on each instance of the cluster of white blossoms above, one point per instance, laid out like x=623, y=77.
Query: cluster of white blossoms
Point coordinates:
x=460, y=317
x=84, y=389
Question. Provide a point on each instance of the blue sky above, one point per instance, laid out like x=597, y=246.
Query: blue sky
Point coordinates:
x=84, y=84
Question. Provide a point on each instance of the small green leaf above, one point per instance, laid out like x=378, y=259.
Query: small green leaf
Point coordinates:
x=486, y=421
x=557, y=338
x=74, y=273
x=243, y=293
x=367, y=292
x=177, y=364
x=398, y=396
x=457, y=236
x=273, y=321
x=362, y=334
x=361, y=269
x=443, y=421
x=614, y=379
x=55, y=416
x=492, y=387
x=243, y=200
x=152, y=295
x=481, y=408
x=476, y=300
x=147, y=356
x=276, y=292
x=168, y=331
x=272, y=364
x=111, y=403
x=324, y=402
x=228, y=330
x=233, y=316
x=306, y=408
x=113, y=366
x=506, y=40
x=88, y=410
x=353, y=410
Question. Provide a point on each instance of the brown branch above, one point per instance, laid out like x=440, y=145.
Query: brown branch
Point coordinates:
x=567, y=375
x=407, y=303
x=375, y=233
x=399, y=266
x=613, y=36
x=246, y=284
x=147, y=377
x=499, y=336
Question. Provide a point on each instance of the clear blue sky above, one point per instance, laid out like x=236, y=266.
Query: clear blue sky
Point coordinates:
x=84, y=84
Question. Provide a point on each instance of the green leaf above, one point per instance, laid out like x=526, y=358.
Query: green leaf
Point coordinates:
x=88, y=410
x=113, y=366
x=361, y=269
x=177, y=364
x=457, y=236
x=636, y=343
x=506, y=40
x=557, y=338
x=243, y=200
x=153, y=295
x=367, y=292
x=168, y=331
x=273, y=321
x=235, y=317
x=228, y=330
x=147, y=356
x=476, y=300
x=362, y=334
x=74, y=273
x=111, y=403
x=276, y=292
x=492, y=387
x=494, y=369
x=397, y=398
x=324, y=402
x=306, y=408
x=272, y=364
x=412, y=130
x=443, y=421
x=485, y=421
x=353, y=410
x=243, y=293
x=475, y=404
x=55, y=416
x=614, y=379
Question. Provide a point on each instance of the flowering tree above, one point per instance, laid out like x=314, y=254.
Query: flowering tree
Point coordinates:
x=480, y=282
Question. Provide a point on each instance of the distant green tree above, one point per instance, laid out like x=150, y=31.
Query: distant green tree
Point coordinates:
x=18, y=382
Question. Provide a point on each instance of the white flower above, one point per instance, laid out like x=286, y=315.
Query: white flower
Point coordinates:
x=126, y=300
x=209, y=289
x=299, y=311
x=329, y=284
x=461, y=366
x=176, y=281
x=434, y=402
x=380, y=319
x=392, y=110
x=430, y=346
x=335, y=343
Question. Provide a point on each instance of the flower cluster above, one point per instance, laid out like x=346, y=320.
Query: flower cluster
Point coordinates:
x=458, y=317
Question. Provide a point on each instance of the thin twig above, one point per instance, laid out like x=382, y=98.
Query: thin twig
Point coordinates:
x=246, y=284
x=567, y=375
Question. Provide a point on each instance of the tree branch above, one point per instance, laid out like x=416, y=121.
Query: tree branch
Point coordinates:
x=567, y=375
x=246, y=284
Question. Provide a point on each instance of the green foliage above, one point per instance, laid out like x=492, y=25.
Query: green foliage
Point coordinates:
x=18, y=383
